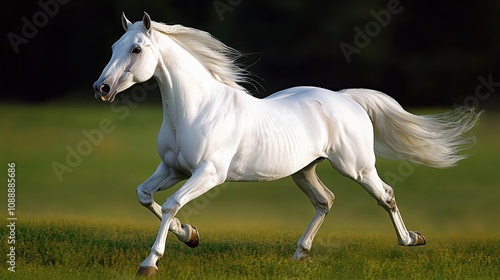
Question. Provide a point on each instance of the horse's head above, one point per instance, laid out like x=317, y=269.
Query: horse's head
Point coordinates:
x=134, y=60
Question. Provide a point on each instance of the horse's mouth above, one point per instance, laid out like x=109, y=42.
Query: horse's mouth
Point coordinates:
x=108, y=98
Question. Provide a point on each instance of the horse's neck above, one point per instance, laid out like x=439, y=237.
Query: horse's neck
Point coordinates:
x=186, y=86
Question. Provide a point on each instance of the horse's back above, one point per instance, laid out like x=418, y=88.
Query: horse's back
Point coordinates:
x=337, y=106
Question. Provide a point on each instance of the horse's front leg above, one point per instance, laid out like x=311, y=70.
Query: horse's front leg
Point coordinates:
x=164, y=178
x=203, y=179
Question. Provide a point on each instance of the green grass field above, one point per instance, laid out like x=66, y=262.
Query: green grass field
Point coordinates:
x=83, y=249
x=83, y=220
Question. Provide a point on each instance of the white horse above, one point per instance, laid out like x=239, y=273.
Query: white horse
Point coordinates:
x=213, y=131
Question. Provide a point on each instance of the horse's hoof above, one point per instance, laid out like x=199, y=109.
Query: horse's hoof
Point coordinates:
x=301, y=255
x=417, y=238
x=194, y=236
x=146, y=271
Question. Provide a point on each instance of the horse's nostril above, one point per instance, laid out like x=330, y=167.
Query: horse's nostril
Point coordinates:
x=104, y=89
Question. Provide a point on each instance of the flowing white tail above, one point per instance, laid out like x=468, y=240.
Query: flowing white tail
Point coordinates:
x=433, y=140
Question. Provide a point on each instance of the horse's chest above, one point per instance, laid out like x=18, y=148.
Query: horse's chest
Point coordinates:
x=179, y=153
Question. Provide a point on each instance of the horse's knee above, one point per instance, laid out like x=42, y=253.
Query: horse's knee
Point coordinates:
x=145, y=197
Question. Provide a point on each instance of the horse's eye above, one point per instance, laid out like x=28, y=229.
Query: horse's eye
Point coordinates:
x=136, y=50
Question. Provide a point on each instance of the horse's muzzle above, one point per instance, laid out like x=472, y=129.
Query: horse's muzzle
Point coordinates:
x=101, y=91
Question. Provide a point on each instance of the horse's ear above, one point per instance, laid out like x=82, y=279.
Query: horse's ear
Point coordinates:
x=125, y=22
x=146, y=20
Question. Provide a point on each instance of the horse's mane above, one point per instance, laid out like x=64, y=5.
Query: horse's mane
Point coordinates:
x=214, y=55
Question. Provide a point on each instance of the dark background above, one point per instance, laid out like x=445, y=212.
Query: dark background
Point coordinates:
x=432, y=53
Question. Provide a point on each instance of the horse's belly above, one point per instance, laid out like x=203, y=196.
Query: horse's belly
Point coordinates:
x=261, y=165
x=257, y=173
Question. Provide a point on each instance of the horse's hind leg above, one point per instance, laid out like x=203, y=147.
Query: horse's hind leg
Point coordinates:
x=384, y=195
x=322, y=199
x=379, y=190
